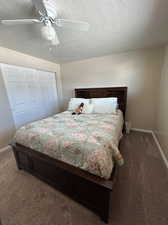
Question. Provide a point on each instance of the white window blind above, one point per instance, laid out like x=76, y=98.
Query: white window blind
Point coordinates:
x=32, y=93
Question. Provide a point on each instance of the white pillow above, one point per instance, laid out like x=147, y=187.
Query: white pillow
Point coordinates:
x=75, y=102
x=104, y=105
x=88, y=108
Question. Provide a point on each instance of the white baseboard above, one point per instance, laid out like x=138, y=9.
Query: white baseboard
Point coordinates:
x=157, y=143
x=142, y=130
x=8, y=147
x=160, y=149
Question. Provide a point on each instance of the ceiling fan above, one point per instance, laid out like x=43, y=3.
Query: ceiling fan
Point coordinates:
x=48, y=16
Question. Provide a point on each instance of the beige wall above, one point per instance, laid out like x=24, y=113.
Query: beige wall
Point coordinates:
x=6, y=121
x=139, y=70
x=162, y=112
x=12, y=57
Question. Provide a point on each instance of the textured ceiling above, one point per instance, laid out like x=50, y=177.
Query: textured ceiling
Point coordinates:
x=115, y=26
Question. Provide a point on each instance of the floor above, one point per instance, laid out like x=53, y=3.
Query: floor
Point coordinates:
x=140, y=196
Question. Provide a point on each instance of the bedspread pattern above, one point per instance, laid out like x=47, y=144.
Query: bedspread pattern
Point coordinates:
x=87, y=141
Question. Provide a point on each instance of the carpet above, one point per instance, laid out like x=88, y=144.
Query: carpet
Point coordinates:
x=140, y=196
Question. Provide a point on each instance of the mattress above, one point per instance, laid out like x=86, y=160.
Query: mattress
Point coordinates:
x=87, y=141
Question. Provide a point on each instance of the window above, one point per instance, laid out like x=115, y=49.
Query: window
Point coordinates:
x=32, y=93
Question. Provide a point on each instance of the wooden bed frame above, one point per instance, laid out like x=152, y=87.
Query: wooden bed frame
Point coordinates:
x=89, y=190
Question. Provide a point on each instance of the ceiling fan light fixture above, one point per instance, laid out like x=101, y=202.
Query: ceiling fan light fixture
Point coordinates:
x=56, y=40
x=48, y=32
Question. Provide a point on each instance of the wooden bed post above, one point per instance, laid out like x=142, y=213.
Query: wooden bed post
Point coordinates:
x=105, y=206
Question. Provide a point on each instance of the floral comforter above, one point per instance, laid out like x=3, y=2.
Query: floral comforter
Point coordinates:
x=87, y=141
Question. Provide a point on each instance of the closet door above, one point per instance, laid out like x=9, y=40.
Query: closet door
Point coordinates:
x=32, y=93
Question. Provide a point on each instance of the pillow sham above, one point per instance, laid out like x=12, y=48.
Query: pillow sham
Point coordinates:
x=75, y=102
x=104, y=105
x=88, y=108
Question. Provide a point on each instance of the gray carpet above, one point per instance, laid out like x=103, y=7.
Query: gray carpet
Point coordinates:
x=140, y=196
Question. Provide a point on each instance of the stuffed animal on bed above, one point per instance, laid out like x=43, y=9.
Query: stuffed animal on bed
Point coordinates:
x=79, y=109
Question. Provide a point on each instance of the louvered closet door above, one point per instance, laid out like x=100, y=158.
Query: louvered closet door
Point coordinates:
x=32, y=93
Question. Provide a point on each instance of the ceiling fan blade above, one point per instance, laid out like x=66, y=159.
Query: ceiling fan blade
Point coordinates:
x=19, y=21
x=51, y=8
x=40, y=7
x=72, y=24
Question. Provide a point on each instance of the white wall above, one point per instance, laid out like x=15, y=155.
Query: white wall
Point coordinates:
x=139, y=70
x=12, y=57
x=162, y=111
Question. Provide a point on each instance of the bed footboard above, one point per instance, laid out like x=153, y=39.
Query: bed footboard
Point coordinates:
x=89, y=190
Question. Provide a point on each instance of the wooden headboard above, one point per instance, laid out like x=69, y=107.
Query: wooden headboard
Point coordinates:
x=119, y=92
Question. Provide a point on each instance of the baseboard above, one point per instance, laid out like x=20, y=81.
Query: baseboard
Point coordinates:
x=142, y=130
x=7, y=148
x=156, y=141
x=160, y=149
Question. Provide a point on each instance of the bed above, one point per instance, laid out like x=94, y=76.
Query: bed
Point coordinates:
x=86, y=183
